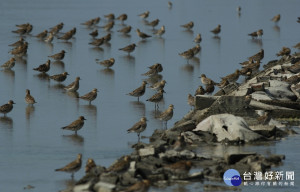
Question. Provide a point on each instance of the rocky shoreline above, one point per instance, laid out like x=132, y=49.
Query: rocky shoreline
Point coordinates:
x=258, y=111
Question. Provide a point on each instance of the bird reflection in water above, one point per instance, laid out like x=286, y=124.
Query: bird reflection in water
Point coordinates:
x=73, y=94
x=60, y=64
x=21, y=60
x=10, y=74
x=108, y=71
x=91, y=110
x=258, y=42
x=6, y=122
x=154, y=79
x=196, y=60
x=29, y=111
x=129, y=59
x=139, y=107
x=75, y=138
x=188, y=68
x=58, y=86
x=69, y=184
x=42, y=76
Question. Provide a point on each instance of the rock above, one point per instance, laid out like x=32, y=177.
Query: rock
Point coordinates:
x=204, y=101
x=280, y=90
x=228, y=126
x=196, y=176
x=258, y=166
x=236, y=157
x=258, y=87
x=104, y=187
x=265, y=130
x=260, y=95
x=184, y=126
x=209, y=187
x=275, y=159
x=110, y=177
x=172, y=154
x=191, y=137
x=82, y=187
x=146, y=151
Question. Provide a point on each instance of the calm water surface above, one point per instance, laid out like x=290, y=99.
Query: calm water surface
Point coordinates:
x=32, y=143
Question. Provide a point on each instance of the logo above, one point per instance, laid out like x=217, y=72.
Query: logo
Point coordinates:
x=232, y=177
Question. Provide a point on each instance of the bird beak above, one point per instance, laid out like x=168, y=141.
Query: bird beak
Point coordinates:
x=14, y=103
x=84, y=118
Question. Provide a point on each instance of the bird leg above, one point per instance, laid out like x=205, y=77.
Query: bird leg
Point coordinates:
x=138, y=137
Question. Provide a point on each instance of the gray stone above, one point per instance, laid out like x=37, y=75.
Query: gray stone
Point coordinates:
x=265, y=130
x=82, y=187
x=280, y=90
x=191, y=137
x=204, y=101
x=184, y=126
x=185, y=154
x=236, y=157
x=228, y=126
x=146, y=151
x=111, y=178
x=104, y=187
x=260, y=95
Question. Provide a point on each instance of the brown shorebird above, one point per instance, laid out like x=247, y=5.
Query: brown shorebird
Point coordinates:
x=94, y=33
x=153, y=70
x=199, y=91
x=189, y=54
x=139, y=127
x=216, y=30
x=130, y=48
x=257, y=33
x=120, y=165
x=188, y=25
x=206, y=81
x=140, y=91
x=72, y=167
x=29, y=99
x=75, y=125
x=198, y=38
x=167, y=115
x=125, y=30
x=58, y=56
x=90, y=96
x=122, y=17
x=44, y=67
x=90, y=164
x=59, y=77
x=6, y=108
x=97, y=42
x=179, y=167
x=142, y=35
x=191, y=100
x=276, y=18
x=159, y=85
x=156, y=98
x=74, y=86
x=9, y=64
x=141, y=186
x=110, y=16
x=258, y=56
x=42, y=35
x=107, y=63
x=144, y=15
x=285, y=51
x=161, y=31
x=232, y=77
x=153, y=23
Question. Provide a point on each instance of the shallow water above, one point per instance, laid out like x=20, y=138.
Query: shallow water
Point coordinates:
x=32, y=143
